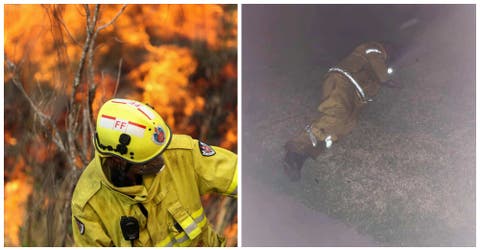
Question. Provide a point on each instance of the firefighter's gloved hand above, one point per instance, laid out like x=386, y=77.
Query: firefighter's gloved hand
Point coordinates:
x=293, y=164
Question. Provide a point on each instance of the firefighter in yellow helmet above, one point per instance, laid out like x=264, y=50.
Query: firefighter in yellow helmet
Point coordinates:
x=346, y=88
x=144, y=185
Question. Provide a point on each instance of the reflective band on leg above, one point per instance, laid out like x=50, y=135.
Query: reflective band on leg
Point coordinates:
x=312, y=137
x=328, y=141
x=390, y=70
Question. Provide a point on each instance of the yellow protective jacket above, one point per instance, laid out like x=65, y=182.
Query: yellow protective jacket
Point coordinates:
x=174, y=214
x=340, y=100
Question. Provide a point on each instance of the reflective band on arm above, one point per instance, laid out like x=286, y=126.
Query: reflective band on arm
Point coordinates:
x=352, y=80
x=190, y=227
x=233, y=184
x=167, y=242
x=199, y=217
x=368, y=51
x=182, y=238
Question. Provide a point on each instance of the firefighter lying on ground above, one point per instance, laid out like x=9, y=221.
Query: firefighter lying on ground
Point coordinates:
x=346, y=88
x=144, y=185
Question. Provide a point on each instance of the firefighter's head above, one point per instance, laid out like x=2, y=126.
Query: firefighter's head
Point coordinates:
x=130, y=130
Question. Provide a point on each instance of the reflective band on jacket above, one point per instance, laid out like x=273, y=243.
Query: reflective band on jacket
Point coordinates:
x=368, y=51
x=352, y=80
x=195, y=225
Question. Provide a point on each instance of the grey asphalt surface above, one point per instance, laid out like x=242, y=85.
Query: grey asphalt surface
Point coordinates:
x=406, y=175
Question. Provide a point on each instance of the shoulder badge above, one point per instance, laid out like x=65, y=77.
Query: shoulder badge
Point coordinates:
x=81, y=226
x=205, y=149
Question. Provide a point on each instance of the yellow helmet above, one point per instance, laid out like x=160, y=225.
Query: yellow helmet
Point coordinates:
x=130, y=130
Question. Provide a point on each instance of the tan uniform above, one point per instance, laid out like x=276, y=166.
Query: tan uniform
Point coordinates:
x=167, y=205
x=341, y=99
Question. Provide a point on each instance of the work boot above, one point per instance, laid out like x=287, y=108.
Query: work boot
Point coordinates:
x=293, y=165
x=297, y=151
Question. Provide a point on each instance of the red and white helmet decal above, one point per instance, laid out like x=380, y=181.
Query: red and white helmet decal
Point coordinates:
x=140, y=107
x=127, y=127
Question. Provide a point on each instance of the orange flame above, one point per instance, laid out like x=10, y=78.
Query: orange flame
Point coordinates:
x=164, y=79
x=229, y=139
x=9, y=139
x=173, y=22
x=17, y=191
x=230, y=233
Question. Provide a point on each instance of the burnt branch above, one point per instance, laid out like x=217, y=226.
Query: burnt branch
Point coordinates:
x=113, y=20
x=73, y=141
x=45, y=120
x=91, y=87
x=60, y=20
x=91, y=70
x=81, y=64
x=118, y=76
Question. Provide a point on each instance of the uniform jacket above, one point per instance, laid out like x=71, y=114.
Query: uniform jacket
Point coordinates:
x=172, y=214
x=340, y=98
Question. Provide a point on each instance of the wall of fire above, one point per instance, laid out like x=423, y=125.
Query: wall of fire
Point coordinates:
x=181, y=59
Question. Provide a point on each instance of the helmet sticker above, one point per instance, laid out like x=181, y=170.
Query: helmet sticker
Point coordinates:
x=140, y=107
x=159, y=136
x=124, y=126
x=205, y=149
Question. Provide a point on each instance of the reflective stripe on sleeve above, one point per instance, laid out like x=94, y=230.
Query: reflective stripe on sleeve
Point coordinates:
x=180, y=238
x=193, y=229
x=199, y=217
x=190, y=227
x=167, y=242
